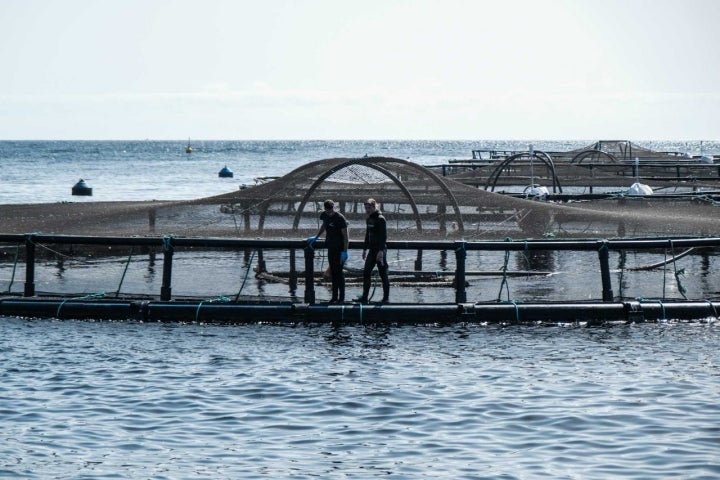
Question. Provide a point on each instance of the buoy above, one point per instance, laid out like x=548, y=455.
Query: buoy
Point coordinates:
x=638, y=188
x=536, y=191
x=225, y=172
x=81, y=188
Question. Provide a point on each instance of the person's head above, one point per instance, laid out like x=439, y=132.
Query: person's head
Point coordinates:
x=329, y=206
x=370, y=205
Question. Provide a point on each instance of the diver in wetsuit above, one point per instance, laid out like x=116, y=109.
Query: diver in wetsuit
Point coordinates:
x=375, y=250
x=336, y=240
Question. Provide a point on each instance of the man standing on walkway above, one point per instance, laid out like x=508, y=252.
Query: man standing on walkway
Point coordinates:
x=375, y=250
x=336, y=240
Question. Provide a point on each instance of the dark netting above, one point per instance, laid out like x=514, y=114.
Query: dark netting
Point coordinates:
x=419, y=203
x=422, y=204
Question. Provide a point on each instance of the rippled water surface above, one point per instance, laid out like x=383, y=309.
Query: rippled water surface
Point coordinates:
x=131, y=400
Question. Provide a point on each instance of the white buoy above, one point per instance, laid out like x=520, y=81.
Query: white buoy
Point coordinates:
x=638, y=188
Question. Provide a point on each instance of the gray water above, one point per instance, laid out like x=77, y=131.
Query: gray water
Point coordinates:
x=129, y=400
x=45, y=171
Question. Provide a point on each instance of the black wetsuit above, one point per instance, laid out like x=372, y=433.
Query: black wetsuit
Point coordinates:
x=335, y=242
x=375, y=241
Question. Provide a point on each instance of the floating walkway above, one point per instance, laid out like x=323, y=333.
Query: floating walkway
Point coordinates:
x=207, y=312
x=163, y=308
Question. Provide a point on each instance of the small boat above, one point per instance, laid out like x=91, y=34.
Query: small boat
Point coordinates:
x=188, y=147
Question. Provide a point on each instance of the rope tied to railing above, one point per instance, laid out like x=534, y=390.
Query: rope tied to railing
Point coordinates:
x=622, y=261
x=678, y=273
x=167, y=245
x=504, y=282
x=247, y=273
x=122, y=278
x=662, y=306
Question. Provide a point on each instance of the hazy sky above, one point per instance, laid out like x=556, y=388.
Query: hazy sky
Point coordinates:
x=363, y=69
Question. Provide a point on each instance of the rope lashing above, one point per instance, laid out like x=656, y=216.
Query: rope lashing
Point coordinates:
x=85, y=297
x=662, y=307
x=517, y=310
x=220, y=299
x=167, y=244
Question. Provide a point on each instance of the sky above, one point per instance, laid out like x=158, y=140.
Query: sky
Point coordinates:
x=361, y=69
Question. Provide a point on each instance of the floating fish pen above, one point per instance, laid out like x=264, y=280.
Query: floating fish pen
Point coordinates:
x=602, y=165
x=302, y=306
x=463, y=228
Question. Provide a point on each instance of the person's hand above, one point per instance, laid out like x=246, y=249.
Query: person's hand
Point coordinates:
x=343, y=256
x=379, y=257
x=311, y=240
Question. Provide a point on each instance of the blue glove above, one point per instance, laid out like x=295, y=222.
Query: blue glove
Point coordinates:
x=343, y=257
x=311, y=240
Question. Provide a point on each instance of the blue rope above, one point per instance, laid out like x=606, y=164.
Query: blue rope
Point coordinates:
x=167, y=244
x=220, y=299
x=247, y=272
x=85, y=297
x=517, y=309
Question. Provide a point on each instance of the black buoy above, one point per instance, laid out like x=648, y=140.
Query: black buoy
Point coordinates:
x=225, y=172
x=81, y=188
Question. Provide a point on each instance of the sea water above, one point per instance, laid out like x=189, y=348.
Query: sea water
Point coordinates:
x=102, y=400
x=45, y=171
x=106, y=400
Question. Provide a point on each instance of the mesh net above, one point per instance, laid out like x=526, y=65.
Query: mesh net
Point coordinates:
x=419, y=203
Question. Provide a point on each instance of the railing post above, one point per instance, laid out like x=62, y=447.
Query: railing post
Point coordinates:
x=166, y=289
x=460, y=255
x=293, y=272
x=604, y=255
x=309, y=275
x=29, y=266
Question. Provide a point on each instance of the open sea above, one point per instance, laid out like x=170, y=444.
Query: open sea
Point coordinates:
x=117, y=400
